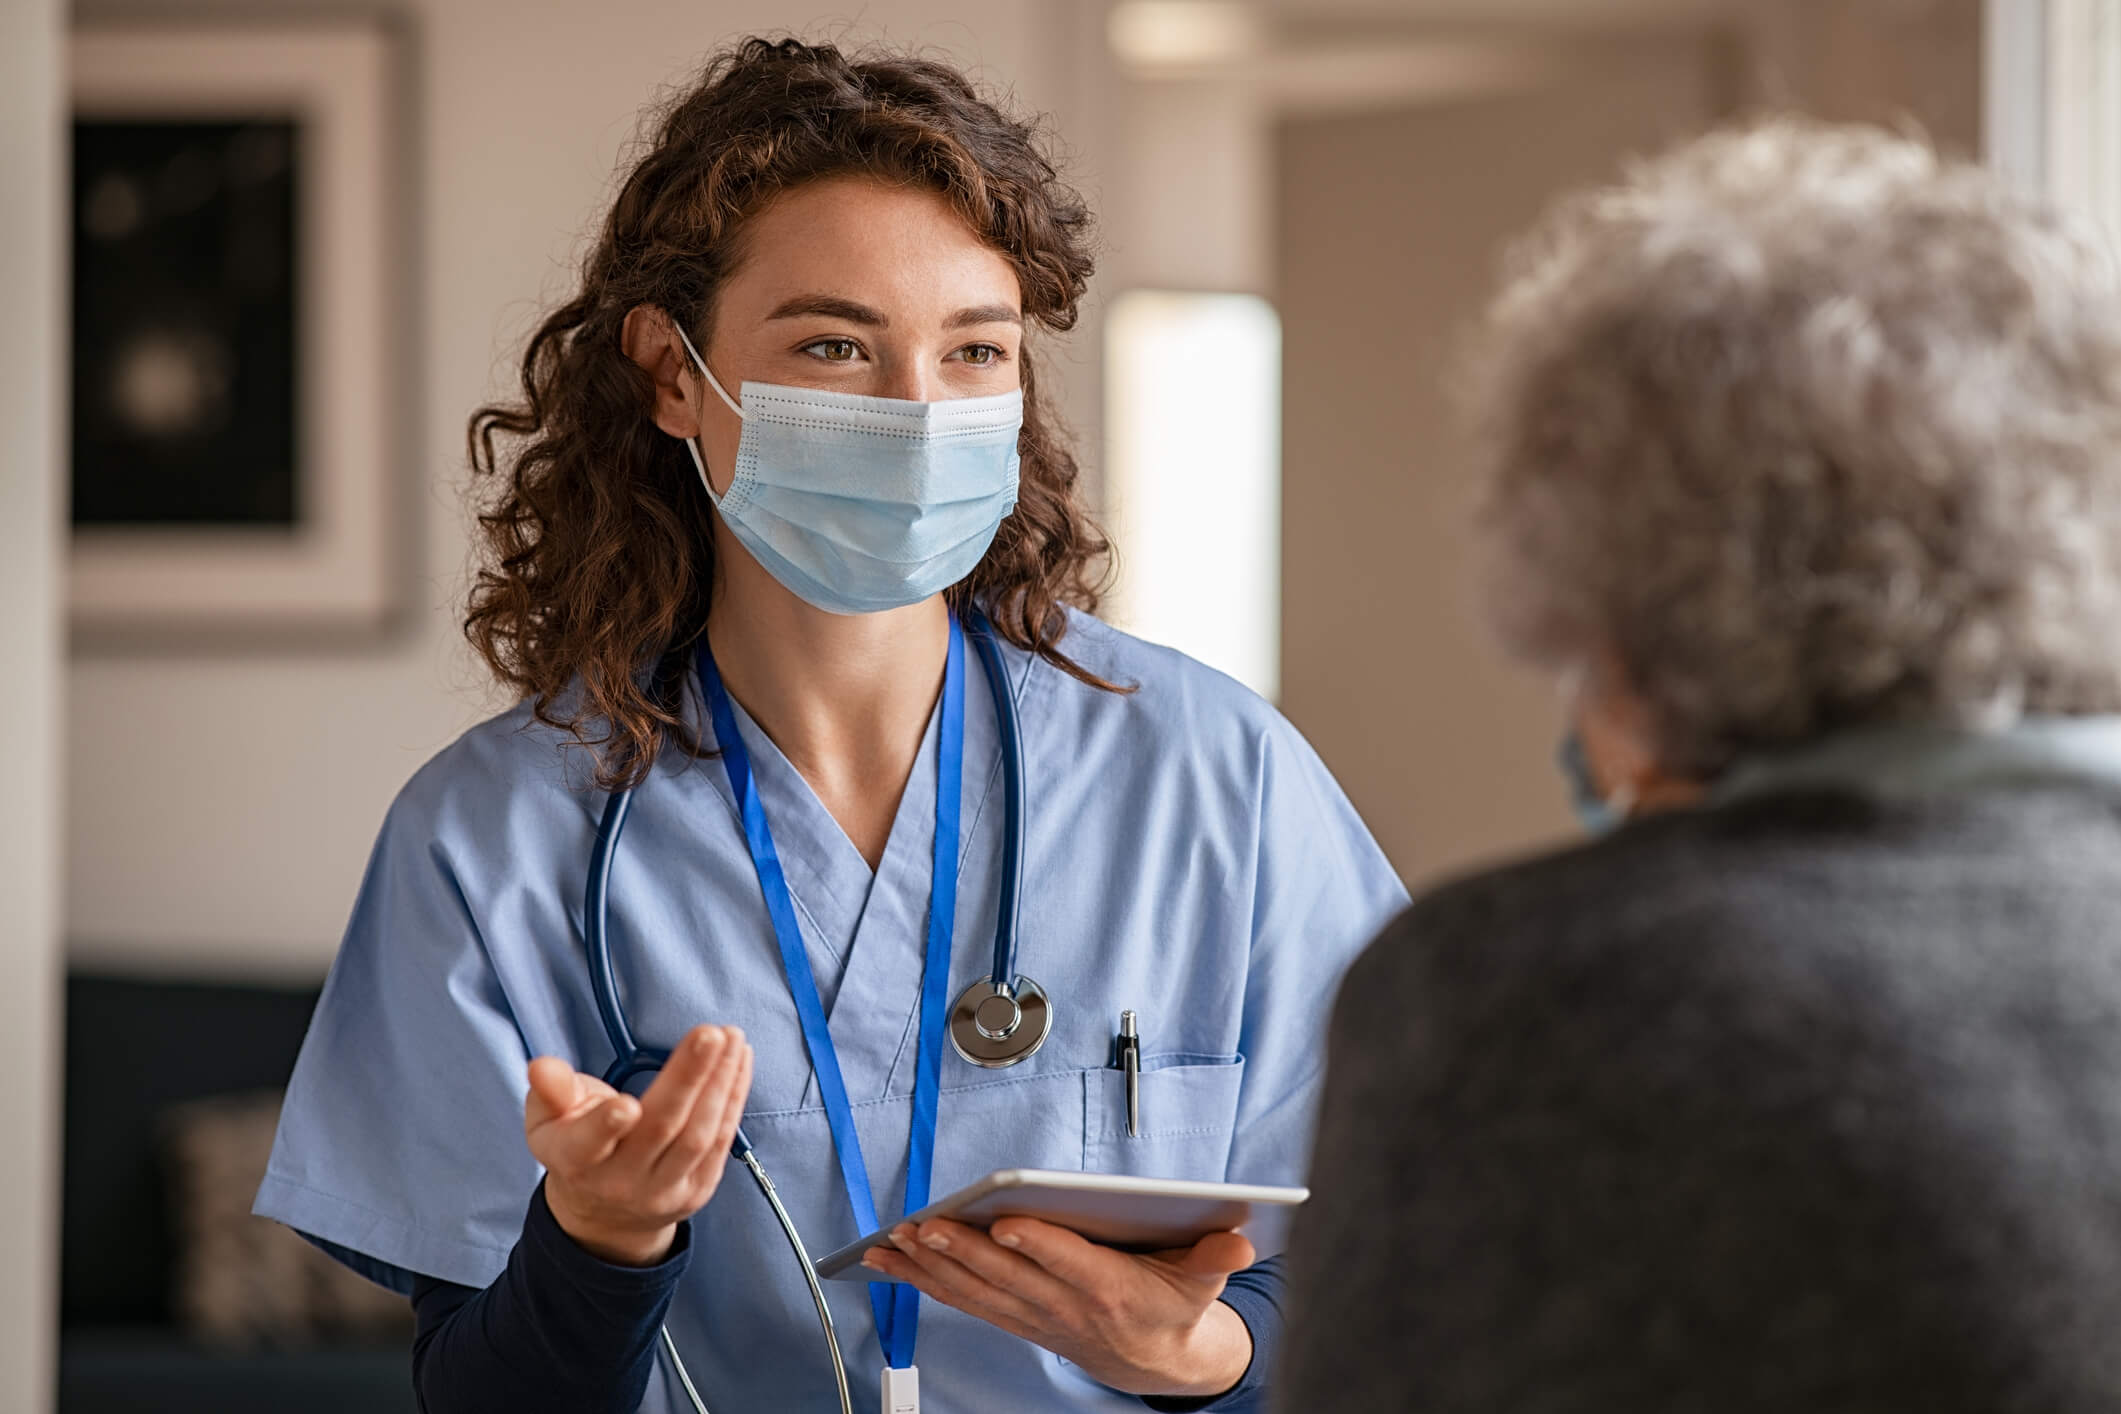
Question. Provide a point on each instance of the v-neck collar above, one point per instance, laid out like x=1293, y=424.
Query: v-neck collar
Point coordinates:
x=884, y=969
x=865, y=934
x=829, y=879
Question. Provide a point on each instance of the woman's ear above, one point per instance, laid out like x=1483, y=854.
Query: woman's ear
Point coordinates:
x=651, y=341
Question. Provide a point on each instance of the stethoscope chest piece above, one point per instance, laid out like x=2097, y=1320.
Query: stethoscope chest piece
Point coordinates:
x=996, y=1027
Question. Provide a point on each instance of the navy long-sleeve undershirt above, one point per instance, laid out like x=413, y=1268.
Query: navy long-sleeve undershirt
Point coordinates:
x=561, y=1332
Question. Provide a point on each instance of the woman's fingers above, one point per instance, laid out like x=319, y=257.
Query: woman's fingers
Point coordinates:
x=1068, y=1256
x=572, y=1121
x=1137, y=1323
x=558, y=1090
x=939, y=1274
x=654, y=1155
x=733, y=1111
x=573, y=1143
x=1084, y=1264
x=669, y=1101
x=994, y=1264
x=695, y=1141
x=622, y=1172
x=552, y=1091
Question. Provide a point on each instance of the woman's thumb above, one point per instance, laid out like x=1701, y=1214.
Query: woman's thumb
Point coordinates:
x=554, y=1088
x=1218, y=1255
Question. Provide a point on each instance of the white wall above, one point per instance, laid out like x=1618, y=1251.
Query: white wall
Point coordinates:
x=32, y=353
x=222, y=807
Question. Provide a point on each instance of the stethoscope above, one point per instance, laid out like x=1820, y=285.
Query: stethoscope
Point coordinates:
x=996, y=1021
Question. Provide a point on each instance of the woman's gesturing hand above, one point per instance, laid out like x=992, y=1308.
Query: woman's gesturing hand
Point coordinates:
x=621, y=1173
x=1143, y=1324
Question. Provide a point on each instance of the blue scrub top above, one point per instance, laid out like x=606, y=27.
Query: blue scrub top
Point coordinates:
x=1188, y=857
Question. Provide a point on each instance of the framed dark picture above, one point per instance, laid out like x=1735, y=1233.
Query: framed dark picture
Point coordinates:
x=232, y=418
x=185, y=271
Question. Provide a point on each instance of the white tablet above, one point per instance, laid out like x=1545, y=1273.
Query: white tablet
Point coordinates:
x=1117, y=1210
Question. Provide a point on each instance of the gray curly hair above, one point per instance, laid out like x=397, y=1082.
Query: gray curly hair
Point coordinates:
x=1806, y=427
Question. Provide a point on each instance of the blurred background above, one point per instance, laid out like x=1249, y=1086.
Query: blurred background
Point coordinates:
x=214, y=697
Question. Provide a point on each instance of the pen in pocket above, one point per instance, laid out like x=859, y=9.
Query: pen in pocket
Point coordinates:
x=1130, y=1062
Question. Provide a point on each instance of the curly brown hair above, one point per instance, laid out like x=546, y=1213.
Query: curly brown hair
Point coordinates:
x=595, y=533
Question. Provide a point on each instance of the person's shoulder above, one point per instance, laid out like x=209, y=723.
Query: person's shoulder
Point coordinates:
x=1163, y=692
x=1697, y=893
x=1578, y=898
x=493, y=768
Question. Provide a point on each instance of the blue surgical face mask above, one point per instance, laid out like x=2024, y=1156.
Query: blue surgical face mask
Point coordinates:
x=1599, y=814
x=858, y=504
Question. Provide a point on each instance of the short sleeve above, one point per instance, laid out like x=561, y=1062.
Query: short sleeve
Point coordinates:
x=1322, y=891
x=400, y=1148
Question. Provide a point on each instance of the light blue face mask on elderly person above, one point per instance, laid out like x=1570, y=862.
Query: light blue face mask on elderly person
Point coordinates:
x=1598, y=812
x=859, y=504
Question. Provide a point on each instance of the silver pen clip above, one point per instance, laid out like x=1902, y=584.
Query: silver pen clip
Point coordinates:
x=1130, y=1062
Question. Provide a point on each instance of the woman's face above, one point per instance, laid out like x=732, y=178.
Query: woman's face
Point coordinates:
x=853, y=286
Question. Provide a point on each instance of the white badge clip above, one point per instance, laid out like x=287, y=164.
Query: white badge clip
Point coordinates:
x=902, y=1390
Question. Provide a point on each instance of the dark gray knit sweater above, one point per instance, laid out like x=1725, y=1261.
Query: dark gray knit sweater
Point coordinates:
x=1811, y=1103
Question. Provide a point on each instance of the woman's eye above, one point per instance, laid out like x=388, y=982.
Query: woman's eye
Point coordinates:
x=981, y=355
x=834, y=350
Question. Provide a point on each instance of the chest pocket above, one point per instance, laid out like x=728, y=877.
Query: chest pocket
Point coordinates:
x=1188, y=1113
x=1011, y=1121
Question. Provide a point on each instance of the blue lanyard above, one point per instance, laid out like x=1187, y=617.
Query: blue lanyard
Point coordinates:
x=897, y=1306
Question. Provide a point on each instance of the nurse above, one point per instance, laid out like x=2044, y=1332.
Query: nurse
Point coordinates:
x=775, y=469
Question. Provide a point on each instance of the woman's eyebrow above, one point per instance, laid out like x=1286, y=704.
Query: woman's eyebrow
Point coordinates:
x=983, y=314
x=831, y=307
x=855, y=312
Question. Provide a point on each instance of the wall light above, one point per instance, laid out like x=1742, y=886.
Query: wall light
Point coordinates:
x=1164, y=33
x=1193, y=476
x=2051, y=76
x=2084, y=108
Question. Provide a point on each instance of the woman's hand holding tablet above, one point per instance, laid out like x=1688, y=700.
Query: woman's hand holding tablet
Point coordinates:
x=1111, y=1209
x=1138, y=1321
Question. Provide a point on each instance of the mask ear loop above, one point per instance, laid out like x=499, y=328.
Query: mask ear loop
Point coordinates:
x=1623, y=799
x=692, y=444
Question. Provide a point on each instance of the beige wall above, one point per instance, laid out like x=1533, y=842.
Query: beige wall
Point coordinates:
x=1389, y=230
x=32, y=355
x=222, y=807
x=1390, y=226
x=1877, y=61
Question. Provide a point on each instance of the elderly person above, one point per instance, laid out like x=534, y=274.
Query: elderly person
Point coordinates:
x=1799, y=1088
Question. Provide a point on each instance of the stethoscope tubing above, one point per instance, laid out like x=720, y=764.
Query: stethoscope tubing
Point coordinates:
x=629, y=1057
x=596, y=907
x=1012, y=737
